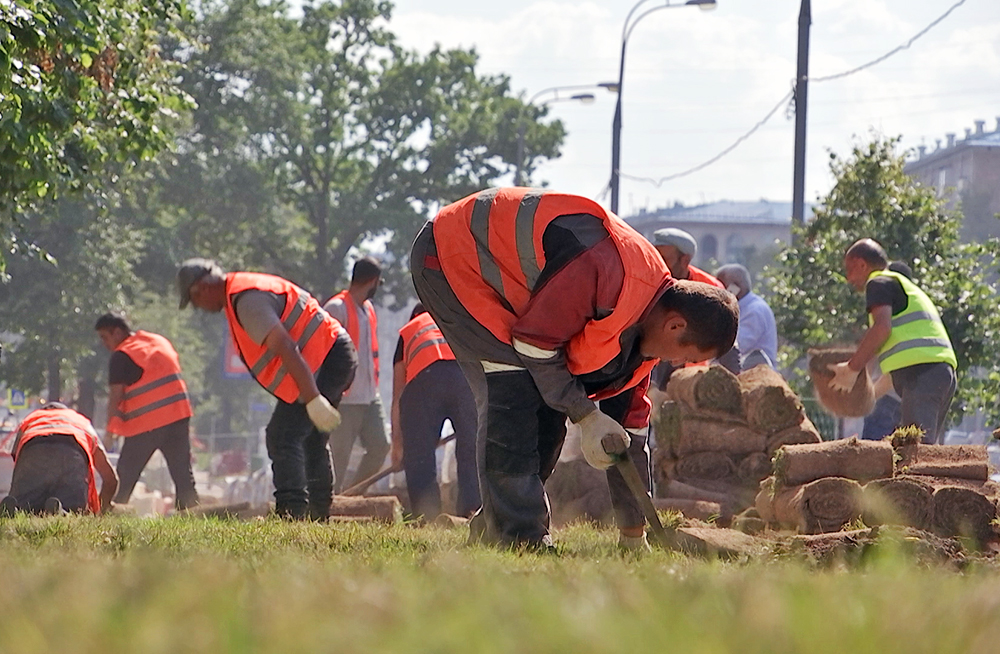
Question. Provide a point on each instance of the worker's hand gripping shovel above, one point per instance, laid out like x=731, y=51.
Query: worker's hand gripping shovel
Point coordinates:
x=614, y=446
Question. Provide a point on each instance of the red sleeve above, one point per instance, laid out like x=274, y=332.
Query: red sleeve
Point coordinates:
x=587, y=286
x=637, y=415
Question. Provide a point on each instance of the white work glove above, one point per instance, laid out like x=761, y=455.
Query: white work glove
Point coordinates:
x=322, y=414
x=593, y=429
x=843, y=377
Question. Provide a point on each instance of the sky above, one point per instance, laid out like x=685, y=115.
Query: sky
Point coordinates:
x=695, y=81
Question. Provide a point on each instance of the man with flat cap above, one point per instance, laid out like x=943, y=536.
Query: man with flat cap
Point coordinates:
x=678, y=248
x=299, y=354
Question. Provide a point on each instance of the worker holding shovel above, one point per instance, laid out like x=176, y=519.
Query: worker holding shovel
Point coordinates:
x=552, y=304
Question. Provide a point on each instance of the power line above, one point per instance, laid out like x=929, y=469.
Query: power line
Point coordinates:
x=789, y=98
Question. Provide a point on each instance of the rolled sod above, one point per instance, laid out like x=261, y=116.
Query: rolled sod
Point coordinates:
x=850, y=458
x=898, y=501
x=754, y=467
x=771, y=405
x=803, y=432
x=857, y=403
x=383, y=509
x=959, y=461
x=712, y=391
x=705, y=465
x=700, y=435
x=963, y=512
x=820, y=506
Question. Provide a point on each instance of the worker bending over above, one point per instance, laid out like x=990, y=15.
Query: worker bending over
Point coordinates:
x=906, y=333
x=551, y=303
x=299, y=354
x=148, y=405
x=57, y=456
x=428, y=387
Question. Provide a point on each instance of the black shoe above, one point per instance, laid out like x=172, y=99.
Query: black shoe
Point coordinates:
x=54, y=507
x=8, y=507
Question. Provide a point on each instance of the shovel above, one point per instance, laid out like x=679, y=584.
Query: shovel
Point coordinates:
x=614, y=445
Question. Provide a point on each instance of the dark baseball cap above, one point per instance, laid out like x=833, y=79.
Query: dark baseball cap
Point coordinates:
x=191, y=271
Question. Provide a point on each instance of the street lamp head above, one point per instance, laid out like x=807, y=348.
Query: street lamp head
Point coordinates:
x=583, y=98
x=704, y=5
x=611, y=87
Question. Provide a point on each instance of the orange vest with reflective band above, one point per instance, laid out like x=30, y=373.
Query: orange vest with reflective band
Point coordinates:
x=49, y=422
x=423, y=344
x=159, y=397
x=352, y=327
x=312, y=329
x=490, y=249
x=699, y=275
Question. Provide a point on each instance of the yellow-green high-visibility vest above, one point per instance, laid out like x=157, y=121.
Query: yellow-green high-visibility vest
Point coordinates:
x=918, y=335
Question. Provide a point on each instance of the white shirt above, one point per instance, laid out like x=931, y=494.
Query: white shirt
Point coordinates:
x=757, y=330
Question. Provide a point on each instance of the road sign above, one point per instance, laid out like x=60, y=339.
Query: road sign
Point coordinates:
x=16, y=399
x=232, y=365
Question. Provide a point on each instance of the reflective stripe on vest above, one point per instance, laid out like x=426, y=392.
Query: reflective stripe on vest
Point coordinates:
x=423, y=344
x=311, y=328
x=159, y=397
x=353, y=328
x=50, y=422
x=918, y=335
x=489, y=246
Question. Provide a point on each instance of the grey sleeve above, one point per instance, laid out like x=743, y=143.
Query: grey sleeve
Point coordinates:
x=337, y=309
x=258, y=314
x=558, y=387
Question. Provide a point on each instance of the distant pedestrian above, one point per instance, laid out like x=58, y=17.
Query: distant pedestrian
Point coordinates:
x=678, y=248
x=428, y=387
x=299, y=354
x=57, y=457
x=361, y=408
x=757, y=338
x=906, y=334
x=147, y=405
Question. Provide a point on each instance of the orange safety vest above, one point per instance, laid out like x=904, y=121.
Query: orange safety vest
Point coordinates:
x=312, y=329
x=352, y=327
x=159, y=397
x=489, y=245
x=699, y=275
x=423, y=344
x=49, y=422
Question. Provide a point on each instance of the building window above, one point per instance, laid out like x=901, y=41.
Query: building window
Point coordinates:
x=942, y=180
x=709, y=247
x=734, y=248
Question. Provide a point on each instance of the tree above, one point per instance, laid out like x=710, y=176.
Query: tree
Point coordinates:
x=357, y=135
x=873, y=197
x=81, y=84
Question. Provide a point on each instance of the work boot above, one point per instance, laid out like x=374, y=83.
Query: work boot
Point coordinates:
x=8, y=507
x=53, y=506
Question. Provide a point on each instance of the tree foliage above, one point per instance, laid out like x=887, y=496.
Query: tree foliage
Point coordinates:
x=81, y=84
x=873, y=197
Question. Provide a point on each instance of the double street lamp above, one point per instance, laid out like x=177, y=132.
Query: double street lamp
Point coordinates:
x=616, y=127
x=522, y=123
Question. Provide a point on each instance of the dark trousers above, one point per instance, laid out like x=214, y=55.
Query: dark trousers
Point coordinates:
x=439, y=392
x=51, y=466
x=174, y=441
x=519, y=436
x=926, y=390
x=883, y=419
x=300, y=456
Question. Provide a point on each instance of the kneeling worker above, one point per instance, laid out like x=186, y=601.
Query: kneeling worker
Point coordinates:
x=299, y=354
x=551, y=303
x=56, y=455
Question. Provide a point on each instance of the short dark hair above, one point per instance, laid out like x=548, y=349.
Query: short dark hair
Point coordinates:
x=712, y=314
x=901, y=268
x=111, y=321
x=868, y=251
x=365, y=270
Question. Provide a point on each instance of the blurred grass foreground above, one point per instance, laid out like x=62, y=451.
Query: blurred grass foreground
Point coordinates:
x=117, y=584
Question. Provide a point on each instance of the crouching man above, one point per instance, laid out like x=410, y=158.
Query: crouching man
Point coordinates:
x=551, y=304
x=56, y=455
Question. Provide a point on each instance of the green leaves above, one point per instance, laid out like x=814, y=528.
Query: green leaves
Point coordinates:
x=873, y=197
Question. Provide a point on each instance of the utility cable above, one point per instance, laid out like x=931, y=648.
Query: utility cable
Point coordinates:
x=789, y=98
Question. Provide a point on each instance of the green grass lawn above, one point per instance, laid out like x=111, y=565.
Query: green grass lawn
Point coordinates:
x=189, y=585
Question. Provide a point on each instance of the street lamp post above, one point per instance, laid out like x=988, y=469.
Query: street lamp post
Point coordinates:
x=616, y=126
x=585, y=98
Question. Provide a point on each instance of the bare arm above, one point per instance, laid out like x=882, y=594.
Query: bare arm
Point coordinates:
x=280, y=342
x=874, y=338
x=116, y=393
x=398, y=382
x=109, y=480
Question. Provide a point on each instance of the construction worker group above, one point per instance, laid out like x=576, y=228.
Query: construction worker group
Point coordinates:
x=536, y=307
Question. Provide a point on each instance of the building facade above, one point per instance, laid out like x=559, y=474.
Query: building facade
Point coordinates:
x=967, y=173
